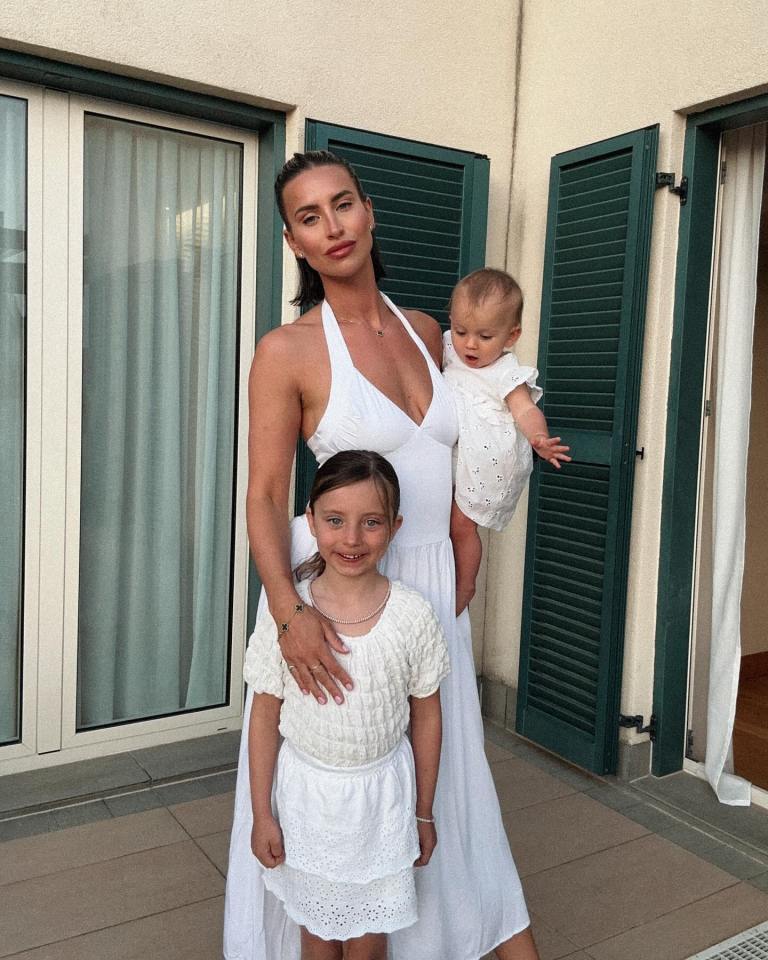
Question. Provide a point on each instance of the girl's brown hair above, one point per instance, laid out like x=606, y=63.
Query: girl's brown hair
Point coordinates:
x=342, y=470
x=310, y=284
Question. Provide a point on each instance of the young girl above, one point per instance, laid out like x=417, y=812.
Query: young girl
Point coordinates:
x=353, y=799
x=499, y=421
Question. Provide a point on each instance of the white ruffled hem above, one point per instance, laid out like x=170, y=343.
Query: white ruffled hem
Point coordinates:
x=340, y=911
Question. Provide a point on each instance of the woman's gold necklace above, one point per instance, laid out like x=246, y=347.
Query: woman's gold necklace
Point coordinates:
x=360, y=323
x=369, y=616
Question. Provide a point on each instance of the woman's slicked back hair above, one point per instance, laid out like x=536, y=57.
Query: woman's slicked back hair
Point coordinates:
x=310, y=285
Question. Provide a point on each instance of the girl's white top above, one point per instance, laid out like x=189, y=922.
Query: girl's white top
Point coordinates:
x=403, y=655
x=493, y=459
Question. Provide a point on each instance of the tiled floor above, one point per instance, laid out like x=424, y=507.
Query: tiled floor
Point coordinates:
x=611, y=872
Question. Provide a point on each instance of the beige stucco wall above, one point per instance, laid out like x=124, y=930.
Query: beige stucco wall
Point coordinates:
x=589, y=71
x=393, y=66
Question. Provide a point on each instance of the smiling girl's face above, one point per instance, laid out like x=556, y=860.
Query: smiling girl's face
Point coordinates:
x=328, y=222
x=353, y=528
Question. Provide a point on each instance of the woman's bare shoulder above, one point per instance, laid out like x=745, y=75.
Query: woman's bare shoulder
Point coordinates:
x=293, y=340
x=428, y=329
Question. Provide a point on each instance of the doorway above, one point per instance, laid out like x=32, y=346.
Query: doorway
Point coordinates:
x=750, y=731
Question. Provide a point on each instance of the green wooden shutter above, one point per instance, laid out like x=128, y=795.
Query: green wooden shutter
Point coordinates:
x=430, y=205
x=590, y=354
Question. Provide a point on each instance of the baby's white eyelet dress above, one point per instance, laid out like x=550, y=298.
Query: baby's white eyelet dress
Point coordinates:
x=493, y=460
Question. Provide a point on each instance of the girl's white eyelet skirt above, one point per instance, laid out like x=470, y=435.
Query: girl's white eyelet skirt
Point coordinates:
x=350, y=842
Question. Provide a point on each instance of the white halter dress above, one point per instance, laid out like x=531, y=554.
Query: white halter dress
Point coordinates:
x=469, y=896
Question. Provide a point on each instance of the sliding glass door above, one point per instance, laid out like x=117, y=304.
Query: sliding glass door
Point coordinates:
x=160, y=349
x=127, y=306
x=13, y=251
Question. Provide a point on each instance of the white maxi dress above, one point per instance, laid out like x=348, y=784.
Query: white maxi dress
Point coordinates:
x=469, y=895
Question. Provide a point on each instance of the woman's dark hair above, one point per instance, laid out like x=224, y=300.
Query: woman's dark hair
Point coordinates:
x=342, y=470
x=310, y=285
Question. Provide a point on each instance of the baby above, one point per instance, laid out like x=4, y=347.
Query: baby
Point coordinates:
x=499, y=421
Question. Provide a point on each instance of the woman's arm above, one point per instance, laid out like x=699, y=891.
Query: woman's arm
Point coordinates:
x=266, y=836
x=426, y=738
x=533, y=425
x=275, y=411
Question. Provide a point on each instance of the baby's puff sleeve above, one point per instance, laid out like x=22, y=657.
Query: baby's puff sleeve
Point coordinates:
x=511, y=374
x=263, y=670
x=428, y=654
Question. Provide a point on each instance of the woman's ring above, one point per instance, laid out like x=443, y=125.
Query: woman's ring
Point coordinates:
x=315, y=667
x=291, y=667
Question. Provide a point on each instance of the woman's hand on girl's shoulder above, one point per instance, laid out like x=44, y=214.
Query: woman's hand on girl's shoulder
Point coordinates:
x=429, y=330
x=306, y=648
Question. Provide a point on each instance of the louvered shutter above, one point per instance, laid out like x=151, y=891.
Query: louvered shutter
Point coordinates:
x=590, y=354
x=430, y=205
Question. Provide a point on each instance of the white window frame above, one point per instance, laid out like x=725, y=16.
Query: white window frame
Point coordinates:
x=54, y=389
x=27, y=745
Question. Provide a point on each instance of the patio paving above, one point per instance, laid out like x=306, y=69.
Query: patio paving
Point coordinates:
x=611, y=871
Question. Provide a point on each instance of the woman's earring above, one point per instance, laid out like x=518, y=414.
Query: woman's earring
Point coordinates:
x=299, y=256
x=372, y=227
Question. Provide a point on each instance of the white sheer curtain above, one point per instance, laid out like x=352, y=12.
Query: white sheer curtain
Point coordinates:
x=12, y=321
x=740, y=228
x=162, y=221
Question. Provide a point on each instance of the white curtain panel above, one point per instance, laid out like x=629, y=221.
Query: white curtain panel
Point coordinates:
x=12, y=319
x=162, y=222
x=740, y=229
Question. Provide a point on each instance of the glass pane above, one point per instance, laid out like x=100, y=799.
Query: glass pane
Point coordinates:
x=13, y=307
x=160, y=340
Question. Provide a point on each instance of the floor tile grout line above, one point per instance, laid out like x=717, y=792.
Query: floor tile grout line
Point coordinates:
x=109, y=926
x=727, y=841
x=206, y=854
x=704, y=827
x=94, y=863
x=592, y=853
x=660, y=916
x=95, y=798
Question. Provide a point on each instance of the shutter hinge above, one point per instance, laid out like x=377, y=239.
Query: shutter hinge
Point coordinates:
x=636, y=721
x=707, y=408
x=640, y=454
x=668, y=180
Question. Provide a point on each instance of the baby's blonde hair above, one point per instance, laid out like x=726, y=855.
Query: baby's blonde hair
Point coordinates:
x=489, y=283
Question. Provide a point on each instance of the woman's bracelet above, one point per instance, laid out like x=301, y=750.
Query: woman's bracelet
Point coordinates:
x=283, y=629
x=425, y=819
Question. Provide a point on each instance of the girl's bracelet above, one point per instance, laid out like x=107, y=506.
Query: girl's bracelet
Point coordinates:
x=425, y=819
x=283, y=628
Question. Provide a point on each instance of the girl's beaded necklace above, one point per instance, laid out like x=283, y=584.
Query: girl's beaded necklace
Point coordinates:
x=369, y=616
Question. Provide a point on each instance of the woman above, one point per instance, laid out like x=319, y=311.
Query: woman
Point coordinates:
x=355, y=372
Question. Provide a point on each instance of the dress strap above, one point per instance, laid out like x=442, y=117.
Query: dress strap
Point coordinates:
x=338, y=352
x=431, y=365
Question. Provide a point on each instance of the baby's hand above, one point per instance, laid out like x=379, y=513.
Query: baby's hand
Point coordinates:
x=267, y=841
x=427, y=842
x=550, y=449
